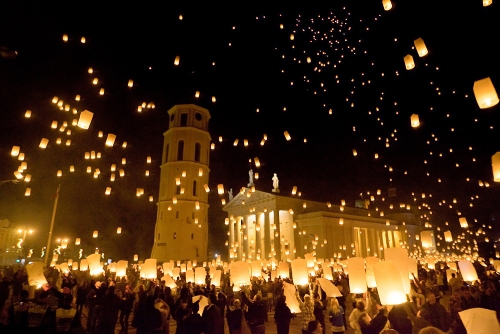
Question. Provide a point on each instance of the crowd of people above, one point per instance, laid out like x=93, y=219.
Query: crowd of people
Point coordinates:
x=149, y=306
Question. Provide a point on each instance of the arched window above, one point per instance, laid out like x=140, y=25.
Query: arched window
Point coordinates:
x=197, y=152
x=194, y=188
x=180, y=150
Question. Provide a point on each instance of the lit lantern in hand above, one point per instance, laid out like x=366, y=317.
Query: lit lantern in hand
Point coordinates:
x=299, y=272
x=357, y=275
x=468, y=271
x=389, y=285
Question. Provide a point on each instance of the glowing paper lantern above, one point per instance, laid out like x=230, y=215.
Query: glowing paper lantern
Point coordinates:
x=310, y=259
x=15, y=151
x=27, y=192
x=220, y=189
x=110, y=140
x=447, y=236
x=35, y=274
x=136, y=257
x=283, y=270
x=329, y=288
x=485, y=93
x=370, y=276
x=216, y=278
x=415, y=121
x=463, y=222
x=387, y=4
x=389, y=285
x=409, y=63
x=427, y=239
x=468, y=271
x=495, y=164
x=148, y=269
x=357, y=276
x=121, y=268
x=177, y=60
x=119, y=230
x=43, y=143
x=399, y=256
x=257, y=268
x=299, y=272
x=95, y=266
x=287, y=136
x=85, y=119
x=27, y=114
x=480, y=321
x=291, y=301
x=199, y=275
x=240, y=274
x=108, y=190
x=189, y=275
x=420, y=46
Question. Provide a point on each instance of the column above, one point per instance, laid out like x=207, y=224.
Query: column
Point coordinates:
x=262, y=235
x=245, y=236
x=277, y=239
x=238, y=237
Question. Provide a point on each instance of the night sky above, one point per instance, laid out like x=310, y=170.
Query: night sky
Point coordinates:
x=340, y=85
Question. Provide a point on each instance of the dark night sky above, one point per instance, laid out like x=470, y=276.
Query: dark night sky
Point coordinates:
x=356, y=71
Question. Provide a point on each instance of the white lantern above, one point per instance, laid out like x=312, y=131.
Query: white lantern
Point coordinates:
x=485, y=93
x=199, y=275
x=420, y=46
x=15, y=151
x=495, y=164
x=447, y=236
x=85, y=119
x=399, y=256
x=387, y=4
x=468, y=271
x=119, y=230
x=148, y=269
x=415, y=121
x=35, y=274
x=95, y=266
x=95, y=234
x=389, y=285
x=370, y=276
x=84, y=265
x=409, y=63
x=299, y=272
x=110, y=140
x=240, y=274
x=463, y=222
x=357, y=276
x=121, y=268
x=257, y=268
x=480, y=321
x=428, y=240
x=217, y=277
x=189, y=275
x=283, y=270
x=43, y=143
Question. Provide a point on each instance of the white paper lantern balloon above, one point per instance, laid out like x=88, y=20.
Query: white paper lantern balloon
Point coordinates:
x=389, y=284
x=299, y=272
x=199, y=275
x=35, y=274
x=370, y=276
x=468, y=271
x=399, y=256
x=121, y=268
x=357, y=275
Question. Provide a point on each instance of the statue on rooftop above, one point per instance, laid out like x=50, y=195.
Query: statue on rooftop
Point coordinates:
x=275, y=183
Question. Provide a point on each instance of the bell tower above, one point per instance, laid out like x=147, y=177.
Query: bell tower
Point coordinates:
x=181, y=231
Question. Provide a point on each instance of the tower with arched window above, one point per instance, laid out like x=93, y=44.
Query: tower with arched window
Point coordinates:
x=181, y=231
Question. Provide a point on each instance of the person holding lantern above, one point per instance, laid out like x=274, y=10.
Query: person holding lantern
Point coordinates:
x=307, y=309
x=375, y=325
x=439, y=316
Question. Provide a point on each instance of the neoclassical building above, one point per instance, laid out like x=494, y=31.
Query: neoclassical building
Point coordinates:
x=181, y=231
x=263, y=225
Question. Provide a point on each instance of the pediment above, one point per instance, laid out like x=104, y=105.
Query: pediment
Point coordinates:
x=254, y=198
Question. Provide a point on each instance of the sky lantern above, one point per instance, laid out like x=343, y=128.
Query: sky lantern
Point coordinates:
x=292, y=37
x=15, y=151
x=27, y=114
x=20, y=157
x=485, y=93
x=65, y=37
x=299, y=272
x=18, y=175
x=101, y=91
x=287, y=135
x=389, y=285
x=486, y=3
x=214, y=99
x=257, y=162
x=463, y=222
x=85, y=119
x=108, y=190
x=84, y=265
x=148, y=269
x=35, y=274
x=447, y=236
x=77, y=241
x=257, y=268
x=357, y=276
x=54, y=125
x=197, y=94
x=131, y=83
x=495, y=164
x=77, y=98
x=177, y=60
x=136, y=257
x=148, y=159
x=283, y=270
x=468, y=271
x=370, y=276
x=399, y=256
x=110, y=140
x=27, y=192
x=387, y=4
x=428, y=240
x=197, y=205
x=59, y=173
x=415, y=121
x=220, y=189
x=480, y=320
x=95, y=266
x=199, y=275
x=83, y=40
x=43, y=143
x=420, y=46
x=71, y=168
x=95, y=234
x=409, y=63
x=121, y=268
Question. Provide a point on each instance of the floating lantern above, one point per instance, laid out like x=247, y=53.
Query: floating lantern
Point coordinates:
x=20, y=157
x=124, y=161
x=131, y=83
x=370, y=276
x=119, y=230
x=220, y=189
x=77, y=241
x=77, y=98
x=256, y=268
x=136, y=257
x=447, y=236
x=486, y=3
x=148, y=159
x=480, y=320
x=294, y=190
x=283, y=270
x=415, y=121
x=89, y=169
x=27, y=192
x=389, y=285
x=65, y=38
x=463, y=222
x=35, y=274
x=71, y=169
x=357, y=276
x=428, y=240
x=387, y=4
x=15, y=151
x=409, y=62
x=399, y=256
x=110, y=140
x=485, y=93
x=95, y=234
x=287, y=136
x=197, y=205
x=148, y=269
x=299, y=272
x=83, y=40
x=121, y=268
x=84, y=265
x=27, y=114
x=257, y=162
x=468, y=271
x=122, y=173
x=292, y=37
x=43, y=143
x=199, y=275
x=495, y=164
x=177, y=60
x=95, y=266
x=85, y=119
x=59, y=173
x=214, y=99
x=197, y=94
x=420, y=46
x=18, y=175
